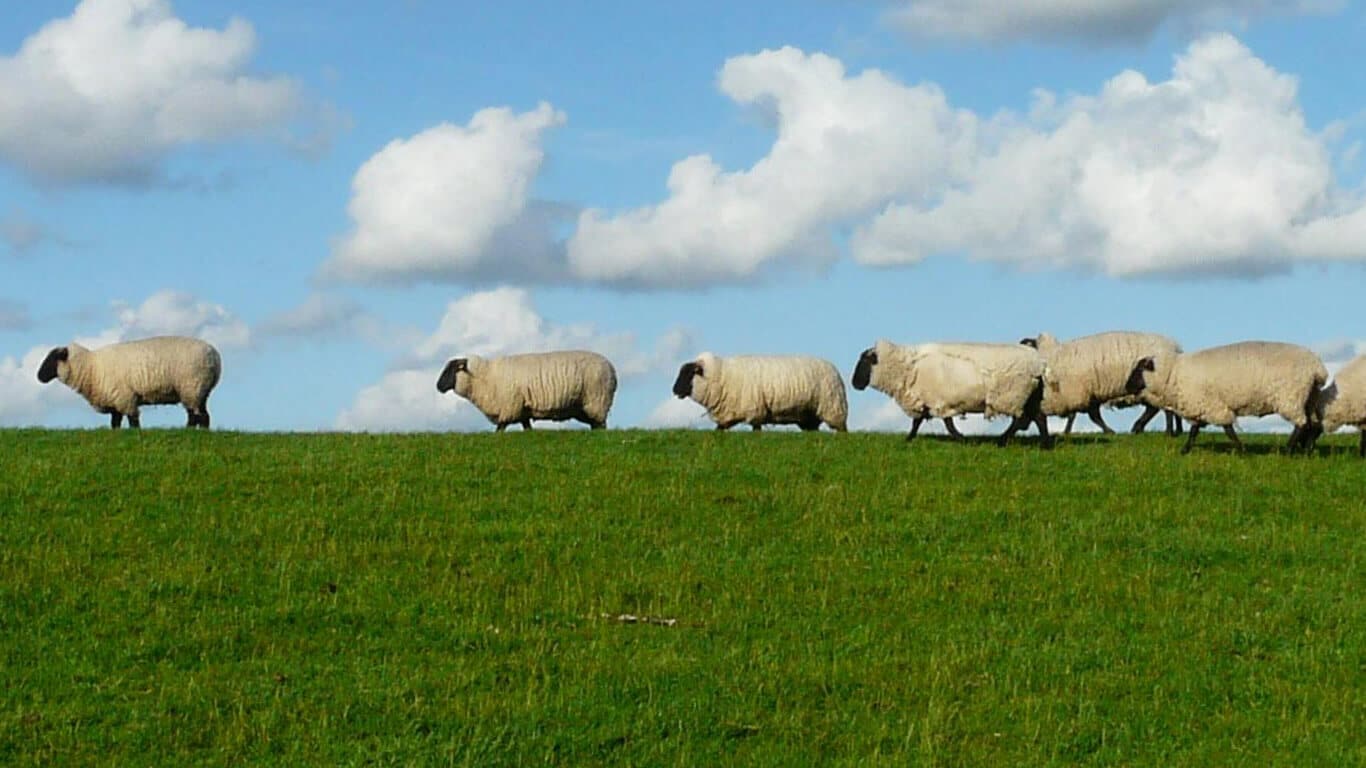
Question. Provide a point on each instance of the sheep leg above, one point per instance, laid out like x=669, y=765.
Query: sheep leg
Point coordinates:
x=115, y=420
x=1015, y=425
x=1041, y=421
x=1173, y=424
x=1315, y=430
x=1297, y=436
x=1148, y=413
x=526, y=425
x=1232, y=435
x=500, y=427
x=1094, y=413
x=757, y=427
x=915, y=427
x=204, y=418
x=1190, y=439
x=134, y=421
x=952, y=429
x=811, y=423
x=1067, y=430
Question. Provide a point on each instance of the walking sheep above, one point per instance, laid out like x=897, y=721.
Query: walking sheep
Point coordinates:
x=1090, y=371
x=759, y=390
x=1251, y=378
x=944, y=380
x=515, y=389
x=119, y=378
x=1343, y=402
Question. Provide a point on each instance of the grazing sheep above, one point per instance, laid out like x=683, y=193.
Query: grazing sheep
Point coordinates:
x=944, y=380
x=1343, y=402
x=118, y=378
x=515, y=389
x=1251, y=378
x=1090, y=371
x=770, y=389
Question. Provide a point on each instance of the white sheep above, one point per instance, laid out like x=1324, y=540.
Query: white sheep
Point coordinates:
x=765, y=389
x=1219, y=384
x=1090, y=371
x=1343, y=402
x=944, y=380
x=119, y=378
x=515, y=389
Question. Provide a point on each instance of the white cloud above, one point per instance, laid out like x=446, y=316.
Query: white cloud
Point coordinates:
x=103, y=94
x=1087, y=21
x=454, y=202
x=488, y=323
x=1211, y=172
x=173, y=313
x=675, y=413
x=845, y=145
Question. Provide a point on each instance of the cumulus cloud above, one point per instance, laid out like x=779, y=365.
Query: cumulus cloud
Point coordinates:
x=1085, y=21
x=1213, y=171
x=675, y=413
x=103, y=94
x=13, y=316
x=845, y=145
x=454, y=202
x=488, y=323
x=173, y=313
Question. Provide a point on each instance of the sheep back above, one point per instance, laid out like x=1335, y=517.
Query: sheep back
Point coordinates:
x=943, y=380
x=540, y=385
x=1251, y=378
x=161, y=370
x=1091, y=370
x=770, y=389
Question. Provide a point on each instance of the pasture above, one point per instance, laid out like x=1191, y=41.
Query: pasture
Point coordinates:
x=170, y=597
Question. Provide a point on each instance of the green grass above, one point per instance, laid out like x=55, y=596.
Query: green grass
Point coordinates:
x=172, y=598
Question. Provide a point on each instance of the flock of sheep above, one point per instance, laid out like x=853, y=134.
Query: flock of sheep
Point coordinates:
x=1028, y=381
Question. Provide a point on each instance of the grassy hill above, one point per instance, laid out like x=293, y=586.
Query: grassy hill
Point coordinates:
x=171, y=597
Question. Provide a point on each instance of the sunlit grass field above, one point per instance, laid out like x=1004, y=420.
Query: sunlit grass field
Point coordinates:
x=170, y=598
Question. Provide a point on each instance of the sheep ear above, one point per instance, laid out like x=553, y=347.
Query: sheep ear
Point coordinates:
x=1030, y=341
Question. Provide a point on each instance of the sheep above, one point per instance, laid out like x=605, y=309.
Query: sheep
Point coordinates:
x=1088, y=372
x=1343, y=402
x=119, y=378
x=1219, y=384
x=555, y=386
x=765, y=389
x=945, y=380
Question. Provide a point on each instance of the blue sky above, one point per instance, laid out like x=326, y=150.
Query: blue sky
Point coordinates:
x=341, y=202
